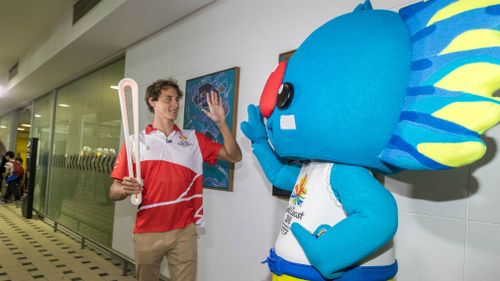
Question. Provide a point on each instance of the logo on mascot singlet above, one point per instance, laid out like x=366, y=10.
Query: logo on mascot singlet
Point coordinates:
x=298, y=196
x=299, y=191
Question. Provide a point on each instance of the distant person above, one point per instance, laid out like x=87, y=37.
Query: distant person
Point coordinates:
x=21, y=176
x=2, y=171
x=12, y=174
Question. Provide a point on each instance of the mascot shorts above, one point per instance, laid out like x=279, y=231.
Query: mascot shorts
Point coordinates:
x=284, y=270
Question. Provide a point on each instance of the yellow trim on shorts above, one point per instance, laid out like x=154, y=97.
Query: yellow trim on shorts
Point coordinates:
x=290, y=278
x=284, y=277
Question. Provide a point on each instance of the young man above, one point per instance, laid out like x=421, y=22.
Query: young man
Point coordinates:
x=11, y=177
x=171, y=167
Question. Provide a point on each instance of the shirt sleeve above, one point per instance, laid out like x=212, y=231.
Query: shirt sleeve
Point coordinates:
x=121, y=166
x=209, y=149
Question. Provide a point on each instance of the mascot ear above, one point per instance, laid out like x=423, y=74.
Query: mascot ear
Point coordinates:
x=363, y=7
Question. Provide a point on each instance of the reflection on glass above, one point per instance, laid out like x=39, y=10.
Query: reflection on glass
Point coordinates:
x=41, y=130
x=87, y=132
x=5, y=129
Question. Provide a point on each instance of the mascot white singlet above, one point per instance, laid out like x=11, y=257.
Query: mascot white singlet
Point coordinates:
x=312, y=204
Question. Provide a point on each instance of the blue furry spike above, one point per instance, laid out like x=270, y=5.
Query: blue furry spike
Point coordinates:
x=420, y=64
x=418, y=91
x=421, y=75
x=427, y=43
x=422, y=33
x=439, y=124
x=429, y=99
x=364, y=7
x=493, y=10
x=413, y=158
x=411, y=133
x=447, y=68
x=417, y=17
x=409, y=11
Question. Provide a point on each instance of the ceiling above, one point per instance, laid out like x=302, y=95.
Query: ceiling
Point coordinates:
x=22, y=22
x=25, y=22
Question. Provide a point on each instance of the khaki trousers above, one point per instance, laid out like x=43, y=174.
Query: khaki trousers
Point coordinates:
x=178, y=245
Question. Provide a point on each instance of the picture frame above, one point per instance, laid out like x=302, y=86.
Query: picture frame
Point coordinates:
x=285, y=56
x=285, y=194
x=226, y=83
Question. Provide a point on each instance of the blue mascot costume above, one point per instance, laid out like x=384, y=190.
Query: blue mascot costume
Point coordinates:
x=371, y=90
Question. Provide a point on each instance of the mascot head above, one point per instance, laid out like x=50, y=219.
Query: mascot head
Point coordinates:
x=390, y=91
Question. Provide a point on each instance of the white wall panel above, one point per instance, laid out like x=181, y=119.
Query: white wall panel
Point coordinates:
x=429, y=248
x=442, y=193
x=483, y=252
x=485, y=182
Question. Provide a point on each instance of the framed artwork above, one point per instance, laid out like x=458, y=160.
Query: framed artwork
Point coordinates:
x=224, y=82
x=277, y=191
x=285, y=56
x=380, y=178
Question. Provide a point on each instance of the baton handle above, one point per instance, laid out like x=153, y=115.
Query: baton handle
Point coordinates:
x=135, y=199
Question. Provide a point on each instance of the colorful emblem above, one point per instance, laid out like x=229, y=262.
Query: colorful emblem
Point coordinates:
x=183, y=141
x=299, y=191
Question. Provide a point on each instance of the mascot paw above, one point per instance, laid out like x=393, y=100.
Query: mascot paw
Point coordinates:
x=313, y=245
x=254, y=129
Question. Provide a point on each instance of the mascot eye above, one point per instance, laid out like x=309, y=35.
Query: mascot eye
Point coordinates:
x=269, y=95
x=285, y=95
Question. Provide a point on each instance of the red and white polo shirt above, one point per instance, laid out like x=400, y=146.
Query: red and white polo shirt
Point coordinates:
x=171, y=170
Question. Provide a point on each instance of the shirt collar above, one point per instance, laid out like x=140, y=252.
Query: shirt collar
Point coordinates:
x=150, y=129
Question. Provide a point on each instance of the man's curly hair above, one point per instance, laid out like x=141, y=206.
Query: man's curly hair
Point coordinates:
x=154, y=90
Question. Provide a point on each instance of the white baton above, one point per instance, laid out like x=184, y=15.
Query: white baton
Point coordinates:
x=136, y=199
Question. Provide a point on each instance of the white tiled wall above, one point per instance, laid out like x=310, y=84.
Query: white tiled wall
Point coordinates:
x=442, y=193
x=485, y=183
x=429, y=248
x=482, y=252
x=449, y=221
x=462, y=206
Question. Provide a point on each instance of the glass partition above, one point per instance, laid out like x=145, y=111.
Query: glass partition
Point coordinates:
x=86, y=141
x=23, y=133
x=41, y=129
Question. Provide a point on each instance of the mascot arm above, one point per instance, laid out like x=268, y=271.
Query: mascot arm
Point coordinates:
x=279, y=174
x=277, y=171
x=371, y=222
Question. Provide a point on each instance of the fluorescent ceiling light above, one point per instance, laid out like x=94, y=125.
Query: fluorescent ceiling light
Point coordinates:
x=3, y=127
x=20, y=129
x=114, y=87
x=26, y=125
x=38, y=116
x=63, y=105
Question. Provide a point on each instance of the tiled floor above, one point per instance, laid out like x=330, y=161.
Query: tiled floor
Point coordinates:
x=31, y=250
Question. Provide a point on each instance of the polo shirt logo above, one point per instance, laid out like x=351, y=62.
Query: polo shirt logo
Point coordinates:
x=183, y=141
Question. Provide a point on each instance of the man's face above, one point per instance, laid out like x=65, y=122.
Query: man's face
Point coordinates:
x=167, y=105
